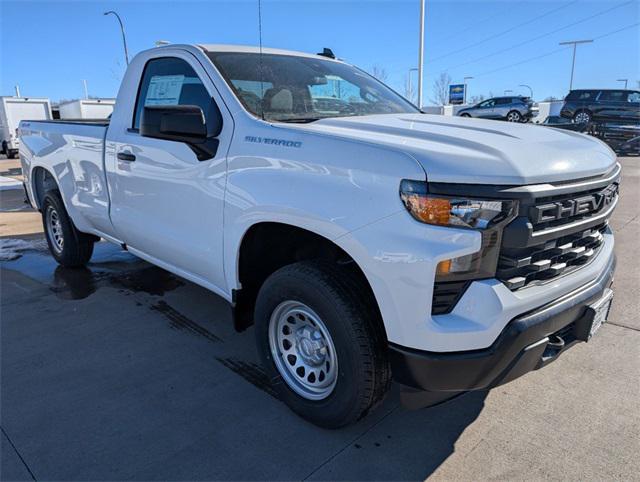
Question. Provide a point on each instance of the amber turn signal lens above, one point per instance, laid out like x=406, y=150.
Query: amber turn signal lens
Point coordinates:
x=444, y=267
x=430, y=210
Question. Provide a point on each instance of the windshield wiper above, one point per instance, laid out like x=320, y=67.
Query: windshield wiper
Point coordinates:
x=303, y=120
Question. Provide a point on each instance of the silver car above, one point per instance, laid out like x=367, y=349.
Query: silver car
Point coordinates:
x=512, y=109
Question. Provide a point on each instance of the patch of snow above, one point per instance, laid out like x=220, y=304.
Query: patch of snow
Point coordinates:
x=11, y=249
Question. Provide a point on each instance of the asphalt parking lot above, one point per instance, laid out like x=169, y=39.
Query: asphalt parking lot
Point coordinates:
x=124, y=371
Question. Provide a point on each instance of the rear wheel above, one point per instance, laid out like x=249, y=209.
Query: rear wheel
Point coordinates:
x=11, y=153
x=321, y=343
x=465, y=115
x=514, y=116
x=4, y=148
x=69, y=247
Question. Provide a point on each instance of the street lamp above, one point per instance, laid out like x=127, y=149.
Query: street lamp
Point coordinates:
x=124, y=39
x=528, y=87
x=573, y=62
x=464, y=81
x=625, y=82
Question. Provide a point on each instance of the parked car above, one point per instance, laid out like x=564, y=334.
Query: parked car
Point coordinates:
x=512, y=109
x=562, y=123
x=12, y=111
x=601, y=105
x=373, y=242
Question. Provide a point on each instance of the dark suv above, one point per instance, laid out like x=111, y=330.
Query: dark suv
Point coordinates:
x=600, y=105
x=512, y=109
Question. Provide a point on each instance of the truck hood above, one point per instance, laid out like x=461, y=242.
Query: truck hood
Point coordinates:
x=475, y=151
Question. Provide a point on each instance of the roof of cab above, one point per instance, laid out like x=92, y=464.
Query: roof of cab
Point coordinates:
x=253, y=49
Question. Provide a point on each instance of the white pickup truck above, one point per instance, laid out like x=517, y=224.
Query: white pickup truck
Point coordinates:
x=362, y=237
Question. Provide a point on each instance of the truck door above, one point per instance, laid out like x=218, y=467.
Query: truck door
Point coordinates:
x=165, y=203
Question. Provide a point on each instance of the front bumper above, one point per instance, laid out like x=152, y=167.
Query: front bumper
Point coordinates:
x=528, y=342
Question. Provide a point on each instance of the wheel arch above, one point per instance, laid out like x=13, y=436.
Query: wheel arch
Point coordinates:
x=269, y=245
x=42, y=180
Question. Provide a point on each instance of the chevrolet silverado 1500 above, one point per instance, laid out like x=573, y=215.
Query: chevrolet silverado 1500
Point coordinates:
x=362, y=237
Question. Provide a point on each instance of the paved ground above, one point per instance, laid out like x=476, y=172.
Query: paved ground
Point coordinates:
x=123, y=371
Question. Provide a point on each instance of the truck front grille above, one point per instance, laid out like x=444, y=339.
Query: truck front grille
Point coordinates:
x=554, y=235
x=519, y=267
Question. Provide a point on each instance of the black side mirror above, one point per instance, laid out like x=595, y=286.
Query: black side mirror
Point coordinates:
x=184, y=123
x=180, y=123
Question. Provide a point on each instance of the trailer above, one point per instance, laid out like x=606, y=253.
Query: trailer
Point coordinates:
x=87, y=109
x=16, y=109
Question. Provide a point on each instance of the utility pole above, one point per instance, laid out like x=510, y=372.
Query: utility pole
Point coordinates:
x=421, y=54
x=86, y=90
x=625, y=82
x=530, y=90
x=573, y=62
x=409, y=86
x=124, y=39
x=464, y=81
x=17, y=91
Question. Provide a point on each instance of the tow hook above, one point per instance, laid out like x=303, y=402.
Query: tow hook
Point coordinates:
x=554, y=346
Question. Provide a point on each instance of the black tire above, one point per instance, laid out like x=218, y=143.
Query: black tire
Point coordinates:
x=343, y=304
x=514, y=116
x=582, y=117
x=11, y=154
x=4, y=148
x=465, y=115
x=76, y=247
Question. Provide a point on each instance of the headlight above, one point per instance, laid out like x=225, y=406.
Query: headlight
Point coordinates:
x=485, y=215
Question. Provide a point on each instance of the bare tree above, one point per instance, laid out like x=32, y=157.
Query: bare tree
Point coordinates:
x=440, y=91
x=409, y=89
x=476, y=99
x=379, y=73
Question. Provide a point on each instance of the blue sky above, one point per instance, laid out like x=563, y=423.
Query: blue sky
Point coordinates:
x=49, y=47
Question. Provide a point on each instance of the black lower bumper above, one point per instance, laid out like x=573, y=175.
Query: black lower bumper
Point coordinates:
x=527, y=343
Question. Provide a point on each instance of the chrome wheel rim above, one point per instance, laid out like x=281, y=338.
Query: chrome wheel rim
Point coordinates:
x=513, y=117
x=582, y=118
x=303, y=350
x=54, y=230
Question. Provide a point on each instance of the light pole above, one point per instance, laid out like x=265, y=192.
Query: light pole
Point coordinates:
x=421, y=54
x=464, y=81
x=124, y=39
x=410, y=87
x=528, y=87
x=625, y=82
x=573, y=62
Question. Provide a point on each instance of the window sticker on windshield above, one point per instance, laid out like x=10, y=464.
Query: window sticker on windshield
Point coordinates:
x=164, y=90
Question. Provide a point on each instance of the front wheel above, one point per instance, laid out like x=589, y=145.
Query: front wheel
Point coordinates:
x=321, y=343
x=69, y=247
x=582, y=117
x=465, y=115
x=514, y=116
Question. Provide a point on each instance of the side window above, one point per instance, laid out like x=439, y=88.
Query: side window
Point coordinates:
x=170, y=81
x=503, y=101
x=614, y=96
x=634, y=97
x=487, y=103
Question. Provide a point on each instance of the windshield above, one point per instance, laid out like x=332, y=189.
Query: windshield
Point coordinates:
x=304, y=89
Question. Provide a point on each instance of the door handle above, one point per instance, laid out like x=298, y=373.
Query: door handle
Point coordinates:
x=126, y=156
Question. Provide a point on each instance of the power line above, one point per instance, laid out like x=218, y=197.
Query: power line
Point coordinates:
x=475, y=23
x=547, y=54
x=499, y=34
x=498, y=52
